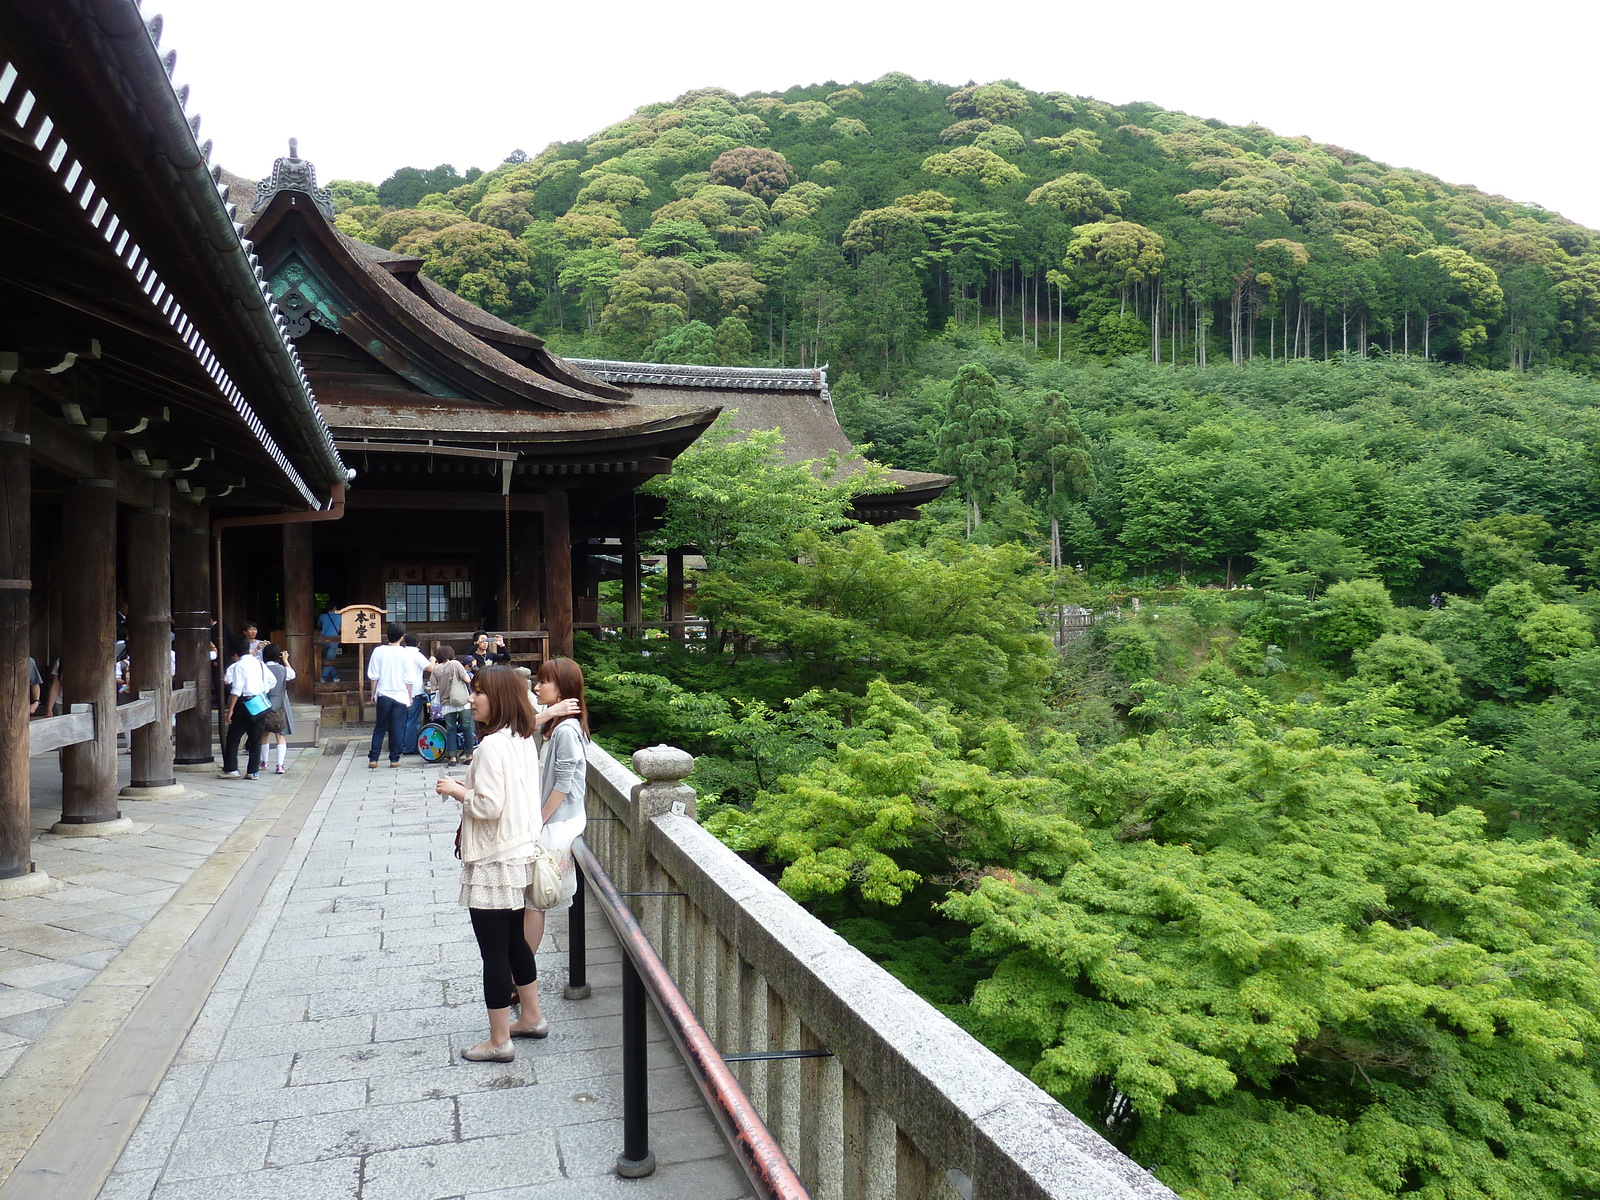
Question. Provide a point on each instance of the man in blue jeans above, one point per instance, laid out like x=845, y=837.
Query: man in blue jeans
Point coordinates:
x=390, y=673
x=417, y=668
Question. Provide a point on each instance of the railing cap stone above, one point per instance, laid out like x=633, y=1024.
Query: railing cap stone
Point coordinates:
x=665, y=764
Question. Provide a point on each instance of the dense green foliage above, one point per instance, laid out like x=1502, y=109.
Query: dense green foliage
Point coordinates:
x=1287, y=886
x=828, y=224
x=1282, y=872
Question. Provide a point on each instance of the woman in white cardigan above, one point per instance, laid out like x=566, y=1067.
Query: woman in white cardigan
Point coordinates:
x=500, y=824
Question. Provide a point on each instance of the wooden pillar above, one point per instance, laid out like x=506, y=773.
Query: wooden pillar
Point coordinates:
x=675, y=591
x=298, y=614
x=89, y=612
x=632, y=585
x=558, y=574
x=150, y=637
x=191, y=602
x=16, y=535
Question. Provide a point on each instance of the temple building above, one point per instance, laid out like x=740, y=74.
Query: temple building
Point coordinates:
x=499, y=482
x=193, y=370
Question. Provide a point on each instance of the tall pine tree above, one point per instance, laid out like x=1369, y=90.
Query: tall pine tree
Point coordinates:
x=975, y=440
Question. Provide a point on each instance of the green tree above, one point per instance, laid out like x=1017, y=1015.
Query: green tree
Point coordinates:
x=691, y=343
x=1307, y=560
x=974, y=441
x=591, y=273
x=888, y=313
x=1354, y=614
x=733, y=497
x=1055, y=464
x=1080, y=198
x=733, y=342
x=1422, y=679
x=754, y=169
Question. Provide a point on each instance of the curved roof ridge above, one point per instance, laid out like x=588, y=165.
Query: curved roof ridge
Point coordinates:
x=792, y=379
x=452, y=333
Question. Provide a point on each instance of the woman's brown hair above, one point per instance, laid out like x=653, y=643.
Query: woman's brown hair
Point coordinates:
x=568, y=678
x=509, y=706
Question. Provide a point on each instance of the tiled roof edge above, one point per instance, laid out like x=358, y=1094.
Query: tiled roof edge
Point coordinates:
x=788, y=379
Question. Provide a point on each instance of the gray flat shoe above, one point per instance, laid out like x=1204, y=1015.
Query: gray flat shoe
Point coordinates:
x=503, y=1053
x=539, y=1029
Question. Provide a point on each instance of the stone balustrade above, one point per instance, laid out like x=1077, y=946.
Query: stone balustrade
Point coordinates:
x=909, y=1106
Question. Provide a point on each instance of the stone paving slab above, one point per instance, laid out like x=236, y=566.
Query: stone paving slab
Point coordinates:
x=326, y=1062
x=106, y=890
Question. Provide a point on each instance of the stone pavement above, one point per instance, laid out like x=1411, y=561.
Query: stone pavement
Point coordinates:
x=106, y=890
x=324, y=1063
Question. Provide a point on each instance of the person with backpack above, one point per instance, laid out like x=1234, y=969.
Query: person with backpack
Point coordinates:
x=453, y=682
x=247, y=686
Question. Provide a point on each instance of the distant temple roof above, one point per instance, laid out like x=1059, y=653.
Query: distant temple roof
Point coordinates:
x=793, y=400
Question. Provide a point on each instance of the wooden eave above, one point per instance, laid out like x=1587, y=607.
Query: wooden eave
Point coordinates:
x=109, y=253
x=414, y=334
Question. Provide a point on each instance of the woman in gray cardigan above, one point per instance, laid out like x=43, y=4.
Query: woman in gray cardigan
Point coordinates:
x=564, y=770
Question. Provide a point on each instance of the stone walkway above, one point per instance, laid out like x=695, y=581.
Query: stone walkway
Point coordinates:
x=324, y=1063
x=107, y=889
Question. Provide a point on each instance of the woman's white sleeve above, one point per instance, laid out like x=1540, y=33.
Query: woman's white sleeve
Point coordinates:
x=487, y=799
x=288, y=672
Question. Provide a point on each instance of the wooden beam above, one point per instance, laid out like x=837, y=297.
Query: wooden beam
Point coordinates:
x=426, y=448
x=136, y=715
x=56, y=733
x=451, y=501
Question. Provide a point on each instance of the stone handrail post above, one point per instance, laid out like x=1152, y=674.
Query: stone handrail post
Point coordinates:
x=662, y=770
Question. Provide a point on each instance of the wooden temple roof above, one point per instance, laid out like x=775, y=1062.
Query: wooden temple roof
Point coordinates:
x=792, y=400
x=118, y=250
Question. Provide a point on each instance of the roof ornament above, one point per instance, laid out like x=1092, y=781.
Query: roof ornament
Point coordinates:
x=294, y=174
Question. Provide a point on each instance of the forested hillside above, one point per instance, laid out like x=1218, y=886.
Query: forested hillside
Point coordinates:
x=836, y=224
x=1282, y=871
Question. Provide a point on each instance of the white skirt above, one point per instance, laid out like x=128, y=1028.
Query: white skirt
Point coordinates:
x=496, y=884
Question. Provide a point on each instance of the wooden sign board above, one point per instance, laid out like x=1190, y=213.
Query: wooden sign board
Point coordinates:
x=361, y=624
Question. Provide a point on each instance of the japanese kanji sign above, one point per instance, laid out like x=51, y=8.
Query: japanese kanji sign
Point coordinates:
x=361, y=624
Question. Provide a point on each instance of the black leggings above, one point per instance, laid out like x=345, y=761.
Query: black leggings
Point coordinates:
x=507, y=958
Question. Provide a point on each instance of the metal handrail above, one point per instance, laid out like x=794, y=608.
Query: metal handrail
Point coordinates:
x=758, y=1152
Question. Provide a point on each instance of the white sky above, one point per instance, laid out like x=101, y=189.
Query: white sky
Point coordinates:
x=1494, y=95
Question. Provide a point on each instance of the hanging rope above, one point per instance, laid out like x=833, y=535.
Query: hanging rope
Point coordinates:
x=505, y=616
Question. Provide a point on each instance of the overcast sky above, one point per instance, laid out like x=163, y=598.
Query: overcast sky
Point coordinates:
x=1492, y=95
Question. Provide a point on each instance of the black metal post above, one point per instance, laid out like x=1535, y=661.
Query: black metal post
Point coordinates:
x=577, y=951
x=636, y=1160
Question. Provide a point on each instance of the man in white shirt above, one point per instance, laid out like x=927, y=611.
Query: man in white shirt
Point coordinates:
x=417, y=668
x=391, y=673
x=247, y=684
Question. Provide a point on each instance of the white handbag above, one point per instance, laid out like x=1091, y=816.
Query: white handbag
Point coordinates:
x=544, y=889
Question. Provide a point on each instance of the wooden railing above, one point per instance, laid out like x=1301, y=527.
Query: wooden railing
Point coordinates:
x=907, y=1104
x=78, y=723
